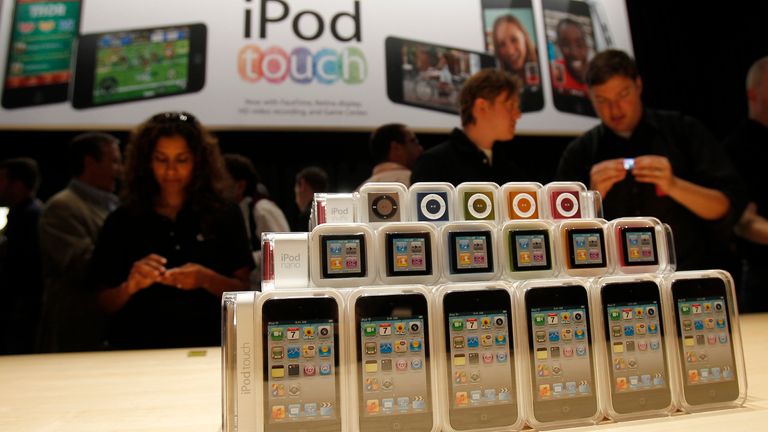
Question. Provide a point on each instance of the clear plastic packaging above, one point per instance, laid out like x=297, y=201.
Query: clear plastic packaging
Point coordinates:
x=302, y=337
x=640, y=245
x=240, y=362
x=570, y=200
x=477, y=201
x=702, y=313
x=284, y=260
x=432, y=202
x=582, y=248
x=408, y=253
x=393, y=381
x=528, y=249
x=558, y=360
x=469, y=251
x=334, y=208
x=342, y=255
x=478, y=346
x=383, y=202
x=632, y=343
x=520, y=201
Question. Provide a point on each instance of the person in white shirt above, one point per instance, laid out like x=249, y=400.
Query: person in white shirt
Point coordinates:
x=394, y=148
x=259, y=212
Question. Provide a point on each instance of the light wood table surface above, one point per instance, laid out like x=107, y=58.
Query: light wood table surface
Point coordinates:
x=171, y=390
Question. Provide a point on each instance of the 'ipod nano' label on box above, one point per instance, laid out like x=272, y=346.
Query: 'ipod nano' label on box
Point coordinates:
x=291, y=258
x=339, y=210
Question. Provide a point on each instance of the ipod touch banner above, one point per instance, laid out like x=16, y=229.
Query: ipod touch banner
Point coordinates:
x=296, y=64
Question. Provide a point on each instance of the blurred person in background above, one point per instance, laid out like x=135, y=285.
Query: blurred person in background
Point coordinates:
x=166, y=256
x=70, y=223
x=394, y=149
x=309, y=181
x=748, y=147
x=259, y=212
x=20, y=282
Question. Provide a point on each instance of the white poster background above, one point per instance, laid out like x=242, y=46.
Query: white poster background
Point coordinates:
x=229, y=102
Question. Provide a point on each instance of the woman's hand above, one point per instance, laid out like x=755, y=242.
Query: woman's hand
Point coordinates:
x=146, y=272
x=187, y=277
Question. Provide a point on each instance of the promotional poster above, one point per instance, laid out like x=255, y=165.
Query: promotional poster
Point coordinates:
x=297, y=64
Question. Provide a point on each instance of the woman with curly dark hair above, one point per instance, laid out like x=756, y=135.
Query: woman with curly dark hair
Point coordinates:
x=165, y=257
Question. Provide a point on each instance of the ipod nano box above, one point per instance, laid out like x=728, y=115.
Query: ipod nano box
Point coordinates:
x=570, y=200
x=285, y=260
x=342, y=255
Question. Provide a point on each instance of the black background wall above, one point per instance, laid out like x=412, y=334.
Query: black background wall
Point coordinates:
x=693, y=57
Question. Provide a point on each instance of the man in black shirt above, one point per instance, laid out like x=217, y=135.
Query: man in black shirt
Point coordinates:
x=748, y=146
x=654, y=163
x=490, y=107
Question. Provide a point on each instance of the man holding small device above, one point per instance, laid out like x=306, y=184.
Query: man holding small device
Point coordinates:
x=654, y=163
x=490, y=108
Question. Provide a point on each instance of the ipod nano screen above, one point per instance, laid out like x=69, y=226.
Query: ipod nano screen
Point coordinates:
x=639, y=246
x=393, y=370
x=432, y=206
x=471, y=252
x=706, y=340
x=636, y=346
x=586, y=248
x=530, y=250
x=408, y=254
x=343, y=255
x=302, y=382
x=478, y=205
x=481, y=362
x=562, y=364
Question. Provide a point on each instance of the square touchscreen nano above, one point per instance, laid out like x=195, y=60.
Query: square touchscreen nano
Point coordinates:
x=586, y=248
x=343, y=256
x=409, y=254
x=471, y=252
x=530, y=250
x=638, y=246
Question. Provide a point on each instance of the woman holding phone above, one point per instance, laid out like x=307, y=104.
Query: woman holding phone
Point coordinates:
x=165, y=257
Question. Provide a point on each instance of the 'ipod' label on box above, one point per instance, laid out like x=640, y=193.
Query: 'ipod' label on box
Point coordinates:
x=339, y=209
x=291, y=258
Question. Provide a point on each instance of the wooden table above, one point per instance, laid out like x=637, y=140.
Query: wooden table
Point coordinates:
x=180, y=390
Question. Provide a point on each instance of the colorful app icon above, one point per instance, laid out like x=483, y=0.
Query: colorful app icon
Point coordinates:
x=372, y=406
x=276, y=334
x=580, y=333
x=385, y=329
x=501, y=339
x=309, y=350
x=401, y=365
x=370, y=348
x=539, y=319
x=400, y=328
x=401, y=346
x=385, y=347
x=473, y=342
x=277, y=353
x=293, y=369
x=486, y=339
x=541, y=336
x=369, y=330
x=278, y=412
x=386, y=365
x=415, y=345
x=309, y=369
x=553, y=336
x=278, y=390
x=542, y=353
x=462, y=398
x=459, y=360
x=458, y=342
x=325, y=369
x=457, y=325
x=278, y=371
x=629, y=330
x=293, y=352
x=371, y=366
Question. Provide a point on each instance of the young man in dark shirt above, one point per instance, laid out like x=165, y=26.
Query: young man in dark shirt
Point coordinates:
x=653, y=163
x=748, y=146
x=490, y=108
